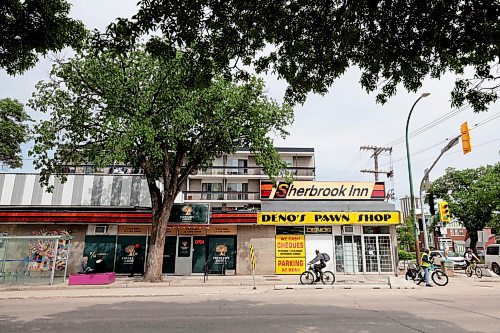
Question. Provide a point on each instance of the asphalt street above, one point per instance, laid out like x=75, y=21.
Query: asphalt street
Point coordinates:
x=462, y=308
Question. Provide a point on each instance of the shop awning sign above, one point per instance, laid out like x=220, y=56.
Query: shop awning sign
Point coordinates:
x=328, y=218
x=311, y=190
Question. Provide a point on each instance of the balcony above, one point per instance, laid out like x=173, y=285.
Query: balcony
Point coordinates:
x=251, y=171
x=221, y=196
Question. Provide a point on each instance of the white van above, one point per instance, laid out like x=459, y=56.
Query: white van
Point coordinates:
x=492, y=258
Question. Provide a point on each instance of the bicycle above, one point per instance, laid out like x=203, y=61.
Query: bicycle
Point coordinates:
x=418, y=275
x=473, y=268
x=309, y=276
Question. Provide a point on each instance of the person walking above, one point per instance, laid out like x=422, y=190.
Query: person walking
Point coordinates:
x=425, y=263
x=138, y=263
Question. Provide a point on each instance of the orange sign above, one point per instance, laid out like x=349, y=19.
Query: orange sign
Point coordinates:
x=193, y=230
x=171, y=231
x=222, y=230
x=133, y=230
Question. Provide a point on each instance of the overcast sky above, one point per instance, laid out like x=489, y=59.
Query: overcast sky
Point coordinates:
x=337, y=124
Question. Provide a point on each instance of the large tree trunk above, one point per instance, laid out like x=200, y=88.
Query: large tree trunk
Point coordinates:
x=473, y=240
x=154, y=263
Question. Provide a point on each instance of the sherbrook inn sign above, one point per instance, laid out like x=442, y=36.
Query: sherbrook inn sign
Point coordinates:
x=303, y=213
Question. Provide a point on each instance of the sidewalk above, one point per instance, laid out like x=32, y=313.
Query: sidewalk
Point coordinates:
x=182, y=285
x=215, y=285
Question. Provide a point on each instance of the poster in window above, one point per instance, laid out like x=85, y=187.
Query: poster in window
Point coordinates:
x=184, y=249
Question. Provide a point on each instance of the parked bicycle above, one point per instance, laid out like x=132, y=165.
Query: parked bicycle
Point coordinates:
x=417, y=275
x=309, y=276
x=473, y=268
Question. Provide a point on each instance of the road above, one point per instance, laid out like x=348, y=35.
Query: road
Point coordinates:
x=462, y=308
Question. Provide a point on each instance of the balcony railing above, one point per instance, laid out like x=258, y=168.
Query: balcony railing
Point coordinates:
x=219, y=195
x=253, y=171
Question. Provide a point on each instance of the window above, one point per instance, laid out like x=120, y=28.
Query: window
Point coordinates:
x=376, y=230
x=100, y=229
x=493, y=250
x=212, y=191
x=290, y=230
x=237, y=191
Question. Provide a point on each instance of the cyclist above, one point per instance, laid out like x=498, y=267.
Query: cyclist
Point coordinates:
x=469, y=257
x=318, y=267
x=425, y=263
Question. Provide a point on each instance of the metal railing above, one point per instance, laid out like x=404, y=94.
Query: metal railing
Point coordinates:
x=252, y=171
x=221, y=195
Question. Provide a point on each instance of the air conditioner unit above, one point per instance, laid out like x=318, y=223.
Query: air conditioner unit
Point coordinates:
x=347, y=229
x=101, y=229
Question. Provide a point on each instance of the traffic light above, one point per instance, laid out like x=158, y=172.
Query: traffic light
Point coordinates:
x=466, y=147
x=444, y=212
x=432, y=208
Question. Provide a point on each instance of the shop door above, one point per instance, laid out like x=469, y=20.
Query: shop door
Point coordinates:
x=126, y=245
x=199, y=254
x=183, y=262
x=348, y=254
x=324, y=244
x=384, y=244
x=378, y=254
x=169, y=255
x=371, y=254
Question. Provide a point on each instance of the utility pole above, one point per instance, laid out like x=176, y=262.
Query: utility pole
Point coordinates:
x=376, y=152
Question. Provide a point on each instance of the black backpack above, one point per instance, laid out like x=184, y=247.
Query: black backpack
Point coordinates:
x=326, y=257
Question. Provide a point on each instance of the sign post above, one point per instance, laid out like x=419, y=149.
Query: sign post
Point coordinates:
x=252, y=261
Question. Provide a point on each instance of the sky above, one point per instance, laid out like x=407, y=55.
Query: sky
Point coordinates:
x=337, y=124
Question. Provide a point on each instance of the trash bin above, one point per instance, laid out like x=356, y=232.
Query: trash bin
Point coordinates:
x=447, y=267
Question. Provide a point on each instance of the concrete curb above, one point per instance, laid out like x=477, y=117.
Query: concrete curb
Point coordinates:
x=338, y=286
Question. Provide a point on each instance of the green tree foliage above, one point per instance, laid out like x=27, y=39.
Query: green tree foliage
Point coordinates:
x=405, y=234
x=13, y=132
x=312, y=43
x=148, y=112
x=473, y=196
x=30, y=28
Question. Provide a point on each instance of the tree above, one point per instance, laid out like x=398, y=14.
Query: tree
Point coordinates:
x=14, y=131
x=149, y=113
x=405, y=234
x=312, y=43
x=473, y=196
x=33, y=27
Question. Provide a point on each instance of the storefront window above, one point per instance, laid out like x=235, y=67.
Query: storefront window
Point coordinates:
x=100, y=246
x=222, y=254
x=370, y=230
x=298, y=230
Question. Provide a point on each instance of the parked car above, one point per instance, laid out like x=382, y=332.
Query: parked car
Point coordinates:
x=492, y=258
x=438, y=255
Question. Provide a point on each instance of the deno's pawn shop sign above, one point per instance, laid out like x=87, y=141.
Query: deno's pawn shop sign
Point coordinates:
x=290, y=254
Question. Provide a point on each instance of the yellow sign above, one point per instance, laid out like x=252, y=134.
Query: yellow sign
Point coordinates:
x=327, y=218
x=290, y=265
x=290, y=246
x=290, y=254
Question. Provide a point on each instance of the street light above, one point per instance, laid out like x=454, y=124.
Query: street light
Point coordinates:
x=410, y=177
